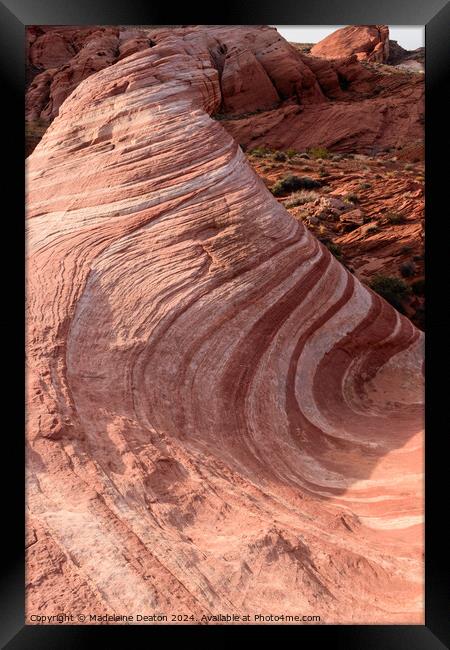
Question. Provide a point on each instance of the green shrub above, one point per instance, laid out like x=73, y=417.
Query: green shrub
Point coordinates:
x=290, y=153
x=280, y=156
x=392, y=289
x=318, y=152
x=299, y=198
x=351, y=198
x=292, y=183
x=259, y=152
x=365, y=186
x=372, y=230
x=334, y=249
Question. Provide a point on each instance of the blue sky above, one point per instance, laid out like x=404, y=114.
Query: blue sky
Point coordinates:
x=410, y=37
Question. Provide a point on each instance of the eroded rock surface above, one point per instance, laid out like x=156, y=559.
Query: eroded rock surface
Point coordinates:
x=221, y=417
x=271, y=94
x=367, y=42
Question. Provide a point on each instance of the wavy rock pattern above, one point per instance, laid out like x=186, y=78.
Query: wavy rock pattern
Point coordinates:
x=367, y=42
x=221, y=417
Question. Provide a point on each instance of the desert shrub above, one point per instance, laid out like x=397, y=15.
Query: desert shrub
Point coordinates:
x=394, y=218
x=351, y=198
x=407, y=269
x=372, y=230
x=409, y=167
x=259, y=152
x=292, y=183
x=280, y=156
x=300, y=198
x=392, y=289
x=418, y=287
x=290, y=153
x=406, y=249
x=318, y=152
x=365, y=186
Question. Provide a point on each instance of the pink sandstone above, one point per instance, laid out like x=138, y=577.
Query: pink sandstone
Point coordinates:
x=367, y=42
x=221, y=417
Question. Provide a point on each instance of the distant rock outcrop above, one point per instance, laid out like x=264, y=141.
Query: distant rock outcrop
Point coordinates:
x=221, y=418
x=271, y=94
x=367, y=42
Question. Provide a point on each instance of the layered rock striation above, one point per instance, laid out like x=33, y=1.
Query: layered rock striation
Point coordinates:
x=221, y=418
x=366, y=42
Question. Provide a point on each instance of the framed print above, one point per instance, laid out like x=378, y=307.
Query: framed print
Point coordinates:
x=232, y=323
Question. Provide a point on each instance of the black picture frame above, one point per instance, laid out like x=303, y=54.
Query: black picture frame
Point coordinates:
x=435, y=15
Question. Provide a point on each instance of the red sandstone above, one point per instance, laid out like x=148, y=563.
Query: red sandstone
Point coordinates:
x=221, y=417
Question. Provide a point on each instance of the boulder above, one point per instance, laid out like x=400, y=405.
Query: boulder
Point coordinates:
x=367, y=42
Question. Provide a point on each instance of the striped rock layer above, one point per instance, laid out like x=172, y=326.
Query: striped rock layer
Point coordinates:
x=221, y=418
x=367, y=42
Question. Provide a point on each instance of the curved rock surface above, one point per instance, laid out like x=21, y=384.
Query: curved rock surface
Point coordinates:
x=367, y=42
x=271, y=94
x=59, y=58
x=222, y=419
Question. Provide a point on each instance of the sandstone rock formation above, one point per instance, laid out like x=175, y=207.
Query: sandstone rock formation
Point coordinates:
x=368, y=208
x=366, y=124
x=222, y=419
x=367, y=42
x=271, y=94
x=60, y=57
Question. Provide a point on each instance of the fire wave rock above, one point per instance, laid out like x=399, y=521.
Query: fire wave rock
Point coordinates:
x=367, y=42
x=222, y=419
